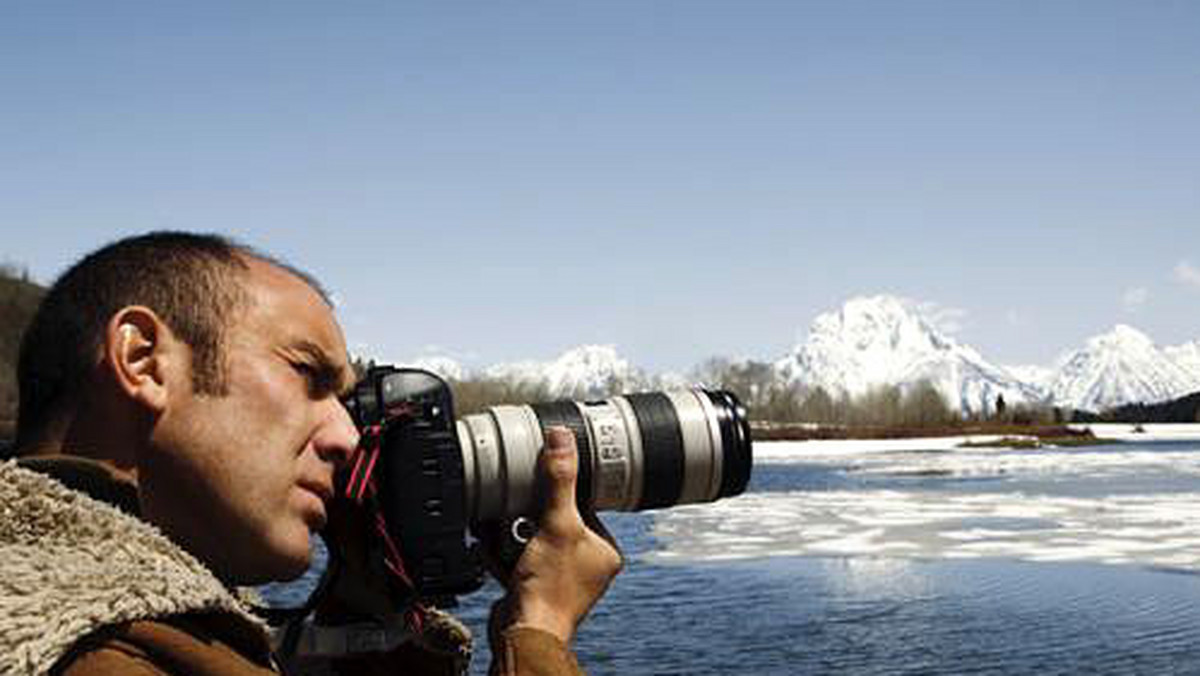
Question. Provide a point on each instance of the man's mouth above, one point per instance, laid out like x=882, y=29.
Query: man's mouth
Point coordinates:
x=316, y=516
x=322, y=490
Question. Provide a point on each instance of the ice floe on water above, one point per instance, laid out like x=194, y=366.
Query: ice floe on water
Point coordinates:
x=1132, y=505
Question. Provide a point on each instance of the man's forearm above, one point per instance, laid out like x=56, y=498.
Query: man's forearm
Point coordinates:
x=524, y=651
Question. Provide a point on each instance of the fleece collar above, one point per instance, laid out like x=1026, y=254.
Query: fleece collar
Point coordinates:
x=70, y=564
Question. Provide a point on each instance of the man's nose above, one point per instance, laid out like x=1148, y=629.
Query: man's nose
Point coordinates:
x=337, y=437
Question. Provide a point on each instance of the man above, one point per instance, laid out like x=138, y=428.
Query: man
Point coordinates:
x=191, y=387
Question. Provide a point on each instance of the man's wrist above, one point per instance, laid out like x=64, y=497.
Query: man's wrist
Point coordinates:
x=512, y=613
x=559, y=630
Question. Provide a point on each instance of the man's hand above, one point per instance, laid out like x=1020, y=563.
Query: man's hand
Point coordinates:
x=569, y=564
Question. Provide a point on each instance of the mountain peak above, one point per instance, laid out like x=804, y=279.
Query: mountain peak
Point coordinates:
x=1122, y=336
x=586, y=370
x=880, y=309
x=880, y=323
x=444, y=366
x=883, y=340
x=1120, y=367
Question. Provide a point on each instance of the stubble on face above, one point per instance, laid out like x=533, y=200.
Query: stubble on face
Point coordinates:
x=241, y=479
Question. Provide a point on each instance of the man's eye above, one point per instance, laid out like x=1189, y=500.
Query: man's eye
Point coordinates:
x=316, y=379
x=307, y=372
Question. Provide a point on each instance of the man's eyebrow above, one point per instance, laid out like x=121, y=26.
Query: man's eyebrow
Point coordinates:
x=330, y=376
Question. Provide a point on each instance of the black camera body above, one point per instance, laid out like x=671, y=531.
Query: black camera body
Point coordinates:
x=420, y=478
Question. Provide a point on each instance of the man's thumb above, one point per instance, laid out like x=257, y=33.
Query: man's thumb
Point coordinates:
x=560, y=463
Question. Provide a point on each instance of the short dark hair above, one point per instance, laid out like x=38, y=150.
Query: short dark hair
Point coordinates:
x=192, y=281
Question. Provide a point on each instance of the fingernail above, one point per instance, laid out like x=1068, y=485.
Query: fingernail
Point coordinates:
x=558, y=437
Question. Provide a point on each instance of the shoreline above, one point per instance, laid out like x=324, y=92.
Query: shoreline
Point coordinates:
x=782, y=449
x=1067, y=434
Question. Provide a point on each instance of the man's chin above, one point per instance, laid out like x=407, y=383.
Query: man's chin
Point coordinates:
x=279, y=565
x=293, y=566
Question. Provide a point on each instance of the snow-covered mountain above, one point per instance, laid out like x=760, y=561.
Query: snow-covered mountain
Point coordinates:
x=1124, y=366
x=445, y=367
x=1187, y=356
x=1032, y=374
x=588, y=370
x=885, y=340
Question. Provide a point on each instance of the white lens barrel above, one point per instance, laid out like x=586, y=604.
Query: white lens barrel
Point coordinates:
x=615, y=446
x=499, y=451
x=636, y=452
x=701, y=450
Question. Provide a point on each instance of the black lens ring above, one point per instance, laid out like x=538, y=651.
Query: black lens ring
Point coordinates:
x=662, y=449
x=736, y=455
x=567, y=414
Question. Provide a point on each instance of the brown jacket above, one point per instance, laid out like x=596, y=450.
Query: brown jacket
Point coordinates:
x=207, y=645
x=86, y=588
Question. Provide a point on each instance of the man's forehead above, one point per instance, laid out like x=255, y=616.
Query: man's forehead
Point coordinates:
x=293, y=313
x=275, y=287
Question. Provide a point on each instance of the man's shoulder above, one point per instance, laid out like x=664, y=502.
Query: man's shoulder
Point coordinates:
x=204, y=643
x=73, y=565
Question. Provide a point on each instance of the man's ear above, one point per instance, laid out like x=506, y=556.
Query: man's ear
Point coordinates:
x=139, y=351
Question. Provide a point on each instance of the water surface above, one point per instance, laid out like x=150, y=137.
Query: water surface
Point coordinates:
x=913, y=561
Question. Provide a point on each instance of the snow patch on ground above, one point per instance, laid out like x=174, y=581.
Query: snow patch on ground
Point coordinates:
x=956, y=519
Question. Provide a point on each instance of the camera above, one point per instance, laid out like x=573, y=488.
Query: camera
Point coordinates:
x=439, y=480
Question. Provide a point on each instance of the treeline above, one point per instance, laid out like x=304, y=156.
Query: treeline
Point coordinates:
x=474, y=394
x=19, y=297
x=769, y=399
x=919, y=405
x=1182, y=410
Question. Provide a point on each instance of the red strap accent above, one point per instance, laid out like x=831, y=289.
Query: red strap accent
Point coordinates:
x=361, y=485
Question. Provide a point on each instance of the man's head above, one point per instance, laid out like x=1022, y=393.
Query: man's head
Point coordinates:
x=191, y=281
x=210, y=372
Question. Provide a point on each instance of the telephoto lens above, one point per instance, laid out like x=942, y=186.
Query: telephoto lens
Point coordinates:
x=636, y=451
x=435, y=476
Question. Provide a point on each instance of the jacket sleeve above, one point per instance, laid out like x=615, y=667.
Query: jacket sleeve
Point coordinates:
x=109, y=659
x=532, y=652
x=161, y=648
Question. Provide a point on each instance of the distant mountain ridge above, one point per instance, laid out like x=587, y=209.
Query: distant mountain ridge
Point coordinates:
x=885, y=340
x=584, y=371
x=587, y=370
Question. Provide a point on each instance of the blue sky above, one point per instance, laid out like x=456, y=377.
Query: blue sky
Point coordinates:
x=500, y=181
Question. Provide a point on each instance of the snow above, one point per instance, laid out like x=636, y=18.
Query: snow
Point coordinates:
x=1187, y=356
x=443, y=366
x=1037, y=376
x=1123, y=366
x=583, y=371
x=1098, y=505
x=886, y=341
x=815, y=449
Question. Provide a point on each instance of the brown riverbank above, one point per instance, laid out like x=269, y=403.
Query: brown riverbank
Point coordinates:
x=762, y=431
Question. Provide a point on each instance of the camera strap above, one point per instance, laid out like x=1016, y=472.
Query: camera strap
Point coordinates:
x=361, y=488
x=318, y=640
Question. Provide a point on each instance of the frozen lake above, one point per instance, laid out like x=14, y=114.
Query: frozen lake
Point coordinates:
x=915, y=557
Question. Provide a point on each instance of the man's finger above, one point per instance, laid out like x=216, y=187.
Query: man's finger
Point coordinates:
x=560, y=465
